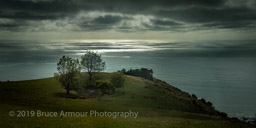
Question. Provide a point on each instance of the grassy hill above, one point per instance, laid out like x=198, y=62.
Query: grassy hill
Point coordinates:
x=158, y=105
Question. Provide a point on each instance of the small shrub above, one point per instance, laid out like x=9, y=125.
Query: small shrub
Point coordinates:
x=117, y=79
x=105, y=87
x=209, y=103
x=235, y=119
x=222, y=114
x=203, y=101
x=194, y=96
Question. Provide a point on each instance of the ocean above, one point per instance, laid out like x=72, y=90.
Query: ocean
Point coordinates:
x=222, y=75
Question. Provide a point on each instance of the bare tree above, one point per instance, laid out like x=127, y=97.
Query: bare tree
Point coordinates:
x=68, y=68
x=92, y=62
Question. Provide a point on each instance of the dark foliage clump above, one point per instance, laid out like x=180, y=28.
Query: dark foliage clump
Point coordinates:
x=209, y=103
x=194, y=102
x=203, y=101
x=105, y=87
x=222, y=114
x=143, y=72
x=194, y=96
x=117, y=79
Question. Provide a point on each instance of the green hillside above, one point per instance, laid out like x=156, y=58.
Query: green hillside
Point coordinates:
x=158, y=105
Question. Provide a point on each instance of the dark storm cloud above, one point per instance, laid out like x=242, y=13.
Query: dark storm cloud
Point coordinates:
x=8, y=25
x=107, y=19
x=30, y=9
x=165, y=23
x=238, y=17
x=101, y=22
x=14, y=25
x=31, y=16
x=215, y=14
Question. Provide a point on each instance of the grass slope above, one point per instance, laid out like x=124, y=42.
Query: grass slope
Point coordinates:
x=158, y=104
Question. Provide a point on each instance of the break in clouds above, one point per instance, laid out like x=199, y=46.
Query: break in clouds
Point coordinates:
x=48, y=52
x=126, y=15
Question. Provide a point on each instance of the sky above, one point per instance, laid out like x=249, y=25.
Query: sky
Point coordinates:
x=188, y=20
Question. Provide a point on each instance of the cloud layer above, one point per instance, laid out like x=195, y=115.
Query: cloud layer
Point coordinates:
x=40, y=51
x=126, y=15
